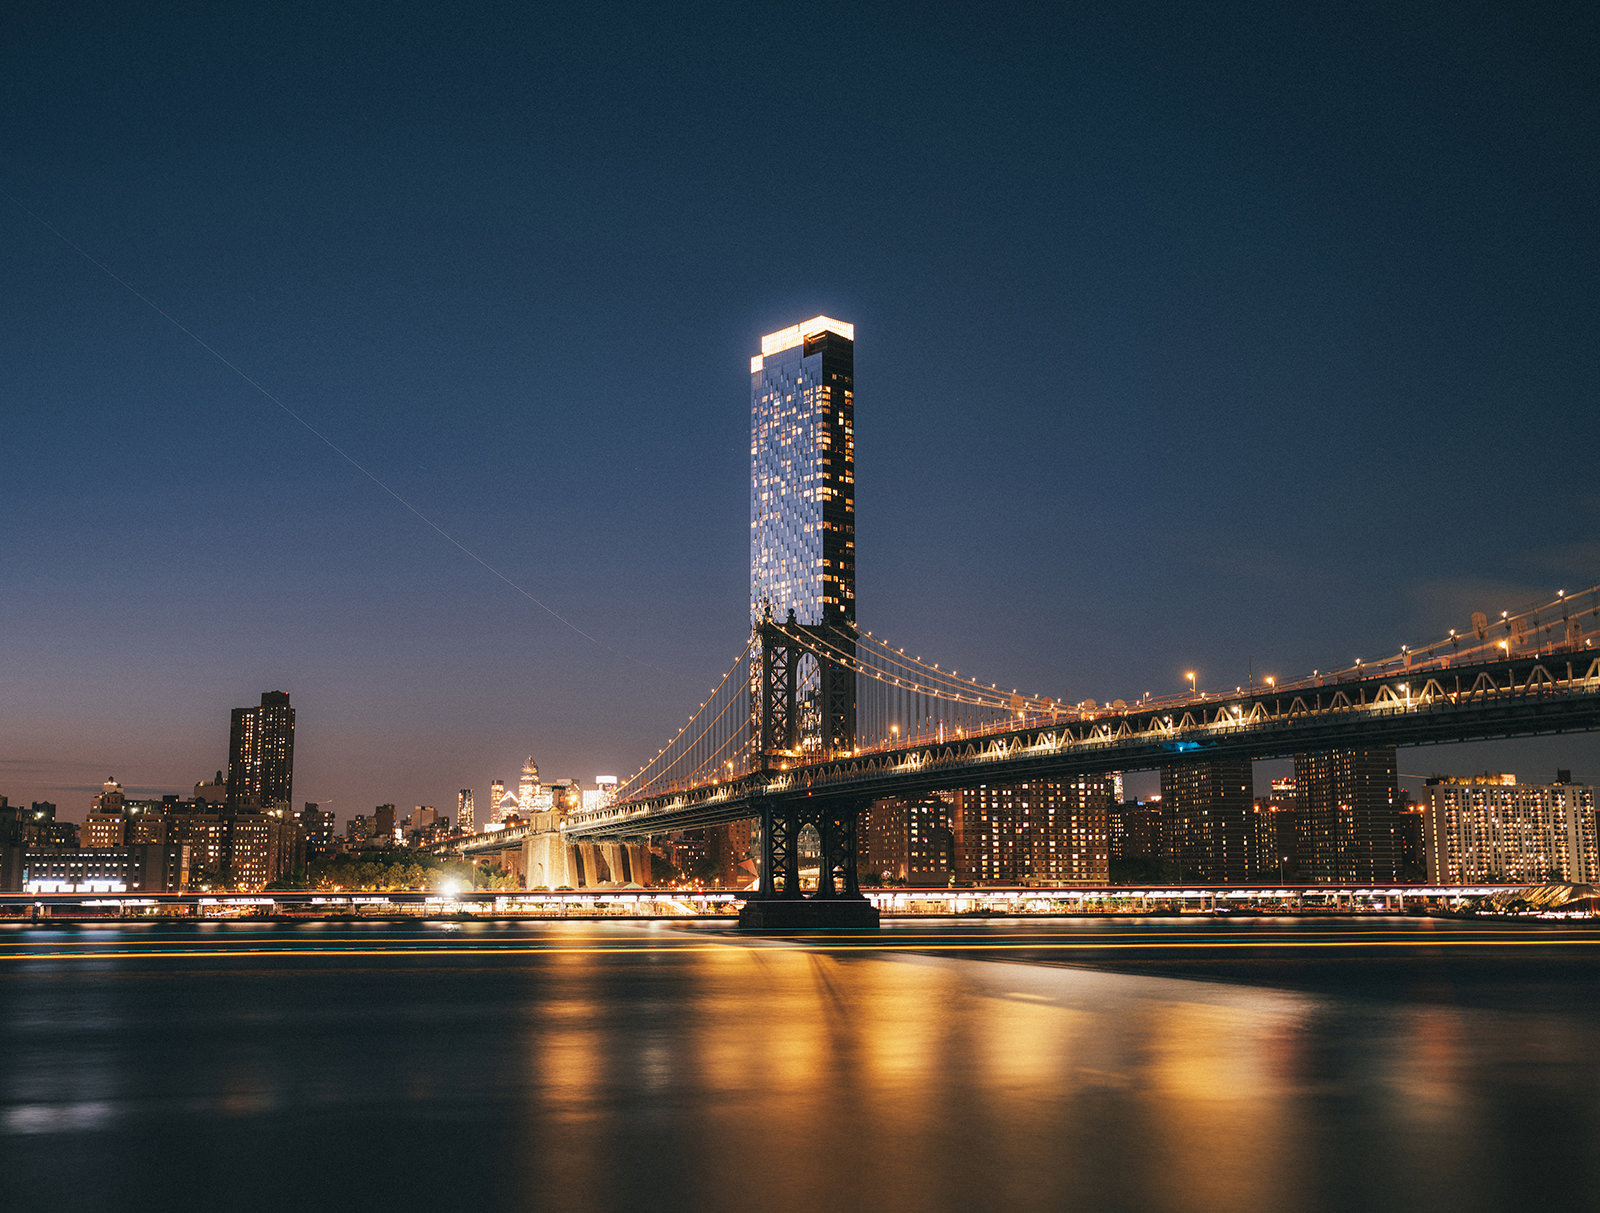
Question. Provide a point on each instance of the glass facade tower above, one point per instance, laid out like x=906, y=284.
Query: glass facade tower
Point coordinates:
x=802, y=474
x=803, y=524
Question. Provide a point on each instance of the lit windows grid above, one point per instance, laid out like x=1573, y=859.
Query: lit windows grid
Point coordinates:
x=802, y=482
x=1519, y=833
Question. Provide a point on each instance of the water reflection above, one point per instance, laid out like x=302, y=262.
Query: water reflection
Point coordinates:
x=618, y=1066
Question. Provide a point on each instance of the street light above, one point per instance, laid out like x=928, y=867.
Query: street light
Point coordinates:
x=1190, y=677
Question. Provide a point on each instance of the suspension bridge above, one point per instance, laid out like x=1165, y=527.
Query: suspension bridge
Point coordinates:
x=811, y=723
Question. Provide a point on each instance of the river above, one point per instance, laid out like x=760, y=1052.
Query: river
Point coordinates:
x=1005, y=1064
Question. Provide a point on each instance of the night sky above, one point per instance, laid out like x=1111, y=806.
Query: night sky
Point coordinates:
x=1226, y=338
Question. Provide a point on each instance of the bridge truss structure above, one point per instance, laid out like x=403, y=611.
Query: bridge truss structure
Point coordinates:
x=812, y=723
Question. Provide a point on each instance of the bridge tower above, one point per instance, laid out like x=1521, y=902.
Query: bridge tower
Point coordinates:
x=779, y=736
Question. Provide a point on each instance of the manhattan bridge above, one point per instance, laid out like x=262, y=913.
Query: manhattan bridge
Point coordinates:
x=816, y=718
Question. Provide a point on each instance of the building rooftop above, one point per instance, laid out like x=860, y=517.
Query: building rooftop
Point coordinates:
x=787, y=339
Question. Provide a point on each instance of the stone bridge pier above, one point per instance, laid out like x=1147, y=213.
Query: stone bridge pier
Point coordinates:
x=549, y=861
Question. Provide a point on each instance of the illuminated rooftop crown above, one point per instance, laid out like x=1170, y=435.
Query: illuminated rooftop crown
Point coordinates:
x=795, y=334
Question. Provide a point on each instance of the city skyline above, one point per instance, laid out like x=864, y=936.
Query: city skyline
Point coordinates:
x=1176, y=368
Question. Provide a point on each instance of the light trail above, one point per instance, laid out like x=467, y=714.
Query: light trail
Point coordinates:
x=724, y=937
x=923, y=946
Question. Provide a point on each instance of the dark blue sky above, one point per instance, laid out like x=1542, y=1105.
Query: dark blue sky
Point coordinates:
x=1187, y=337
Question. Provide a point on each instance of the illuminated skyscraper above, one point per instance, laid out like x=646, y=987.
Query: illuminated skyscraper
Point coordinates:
x=802, y=473
x=497, y=793
x=528, y=785
x=464, y=822
x=261, y=755
x=803, y=513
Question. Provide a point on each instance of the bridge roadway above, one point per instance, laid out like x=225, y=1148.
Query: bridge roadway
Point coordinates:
x=1556, y=692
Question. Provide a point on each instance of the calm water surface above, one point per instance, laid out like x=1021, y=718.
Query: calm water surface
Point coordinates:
x=1002, y=1065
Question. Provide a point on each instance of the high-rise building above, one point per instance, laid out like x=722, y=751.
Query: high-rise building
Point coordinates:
x=802, y=473
x=105, y=826
x=1134, y=831
x=1041, y=832
x=1352, y=815
x=464, y=819
x=497, y=793
x=1413, y=862
x=803, y=507
x=104, y=829
x=565, y=796
x=908, y=842
x=1491, y=828
x=1207, y=821
x=528, y=786
x=261, y=756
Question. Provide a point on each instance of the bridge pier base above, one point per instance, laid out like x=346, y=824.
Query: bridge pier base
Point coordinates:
x=808, y=913
x=778, y=904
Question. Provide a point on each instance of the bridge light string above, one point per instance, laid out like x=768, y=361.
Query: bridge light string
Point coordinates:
x=1513, y=630
x=639, y=777
x=704, y=751
x=923, y=696
x=704, y=757
x=923, y=678
x=914, y=687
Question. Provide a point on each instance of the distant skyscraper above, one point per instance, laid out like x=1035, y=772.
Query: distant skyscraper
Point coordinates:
x=802, y=473
x=261, y=755
x=464, y=816
x=528, y=785
x=497, y=793
x=803, y=510
x=111, y=797
x=1283, y=835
